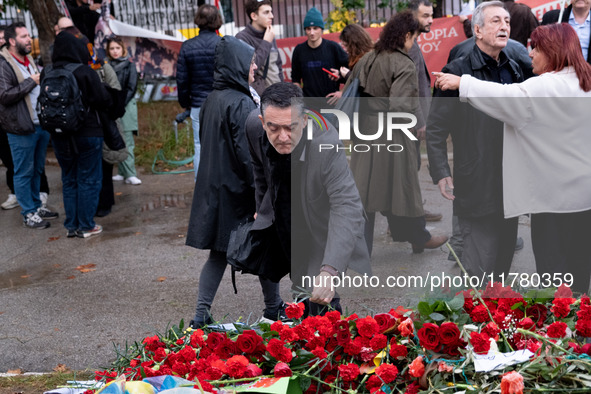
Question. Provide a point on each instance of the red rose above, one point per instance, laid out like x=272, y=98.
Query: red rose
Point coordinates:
x=538, y=314
x=385, y=321
x=295, y=311
x=563, y=292
x=449, y=333
x=480, y=342
x=252, y=371
x=526, y=324
x=343, y=336
x=417, y=368
x=367, y=327
x=583, y=328
x=282, y=370
x=378, y=342
x=387, y=372
x=557, y=330
x=406, y=328
x=561, y=307
x=236, y=366
x=454, y=348
x=226, y=349
x=214, y=339
x=512, y=383
x=248, y=341
x=349, y=372
x=429, y=336
x=397, y=352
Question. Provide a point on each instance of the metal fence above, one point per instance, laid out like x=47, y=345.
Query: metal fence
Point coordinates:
x=170, y=16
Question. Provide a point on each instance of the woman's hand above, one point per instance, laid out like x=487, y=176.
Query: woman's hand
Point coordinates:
x=333, y=97
x=344, y=71
x=446, y=81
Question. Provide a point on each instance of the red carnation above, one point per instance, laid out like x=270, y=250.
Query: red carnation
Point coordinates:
x=197, y=340
x=373, y=384
x=583, y=328
x=417, y=368
x=236, y=366
x=180, y=368
x=387, y=372
x=413, y=388
x=449, y=333
x=561, y=307
x=526, y=324
x=367, y=327
x=397, y=352
x=352, y=348
x=378, y=342
x=319, y=352
x=295, y=311
x=480, y=342
x=213, y=373
x=349, y=372
x=282, y=370
x=159, y=355
x=429, y=336
x=557, y=330
x=479, y=314
x=492, y=330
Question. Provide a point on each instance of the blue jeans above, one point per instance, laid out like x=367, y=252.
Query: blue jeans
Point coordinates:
x=195, y=124
x=81, y=178
x=28, y=156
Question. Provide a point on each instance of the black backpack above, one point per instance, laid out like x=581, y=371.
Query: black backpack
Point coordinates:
x=60, y=107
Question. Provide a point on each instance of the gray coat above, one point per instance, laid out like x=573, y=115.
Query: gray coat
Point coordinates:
x=332, y=210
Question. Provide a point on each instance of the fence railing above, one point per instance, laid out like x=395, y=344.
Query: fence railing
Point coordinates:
x=170, y=16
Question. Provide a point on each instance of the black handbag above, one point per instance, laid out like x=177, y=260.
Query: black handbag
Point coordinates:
x=256, y=252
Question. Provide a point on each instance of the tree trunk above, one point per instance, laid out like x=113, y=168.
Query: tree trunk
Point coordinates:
x=45, y=14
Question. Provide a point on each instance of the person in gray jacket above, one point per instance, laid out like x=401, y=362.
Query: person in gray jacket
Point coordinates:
x=259, y=34
x=307, y=194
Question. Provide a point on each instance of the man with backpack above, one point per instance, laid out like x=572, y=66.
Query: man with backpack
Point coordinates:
x=19, y=90
x=78, y=149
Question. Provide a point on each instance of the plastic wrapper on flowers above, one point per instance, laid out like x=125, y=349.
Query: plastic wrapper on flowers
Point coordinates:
x=535, y=342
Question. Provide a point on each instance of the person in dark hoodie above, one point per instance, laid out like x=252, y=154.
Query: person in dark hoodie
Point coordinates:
x=224, y=189
x=80, y=155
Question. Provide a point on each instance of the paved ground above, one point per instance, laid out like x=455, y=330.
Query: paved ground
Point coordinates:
x=145, y=278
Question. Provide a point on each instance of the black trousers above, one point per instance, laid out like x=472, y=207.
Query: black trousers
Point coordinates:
x=402, y=229
x=560, y=246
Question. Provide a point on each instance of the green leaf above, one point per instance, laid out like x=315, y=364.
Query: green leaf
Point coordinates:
x=457, y=303
x=437, y=316
x=305, y=382
x=424, y=308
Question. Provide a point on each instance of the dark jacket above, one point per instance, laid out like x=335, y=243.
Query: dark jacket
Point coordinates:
x=514, y=51
x=194, y=70
x=224, y=189
x=477, y=141
x=552, y=17
x=69, y=49
x=127, y=76
x=332, y=208
x=16, y=115
x=262, y=52
x=523, y=21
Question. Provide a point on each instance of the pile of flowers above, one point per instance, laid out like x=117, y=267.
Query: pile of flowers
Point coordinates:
x=433, y=347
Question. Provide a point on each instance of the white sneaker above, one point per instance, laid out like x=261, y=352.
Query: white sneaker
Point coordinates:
x=43, y=198
x=132, y=180
x=118, y=178
x=10, y=202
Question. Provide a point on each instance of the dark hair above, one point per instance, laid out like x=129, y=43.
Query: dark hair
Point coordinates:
x=282, y=95
x=393, y=35
x=358, y=42
x=414, y=5
x=208, y=17
x=251, y=6
x=117, y=40
x=10, y=31
x=561, y=45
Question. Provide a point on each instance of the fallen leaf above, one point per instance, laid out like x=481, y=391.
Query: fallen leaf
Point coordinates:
x=161, y=278
x=53, y=239
x=138, y=233
x=56, y=265
x=86, y=268
x=61, y=368
x=71, y=277
x=25, y=276
x=181, y=235
x=17, y=371
x=1, y=312
x=118, y=193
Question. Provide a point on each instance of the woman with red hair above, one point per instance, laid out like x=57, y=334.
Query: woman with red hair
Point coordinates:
x=546, y=160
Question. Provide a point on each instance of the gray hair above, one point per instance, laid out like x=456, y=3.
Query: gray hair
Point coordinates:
x=478, y=14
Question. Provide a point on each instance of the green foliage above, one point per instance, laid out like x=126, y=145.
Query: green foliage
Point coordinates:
x=22, y=4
